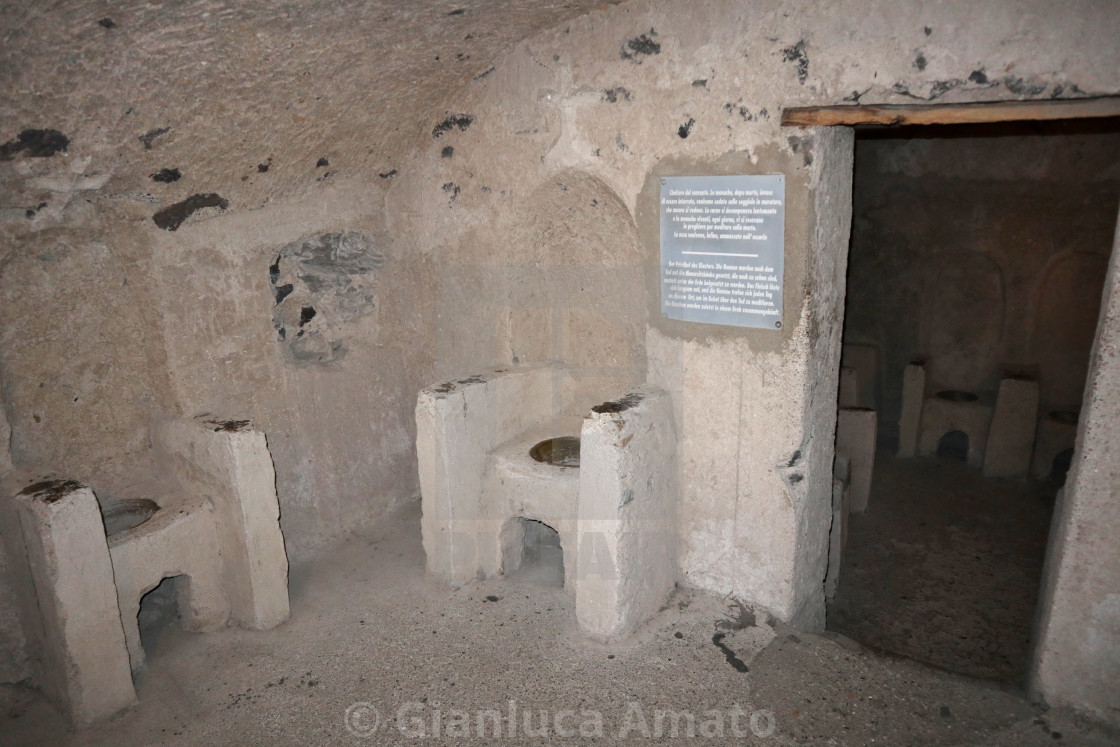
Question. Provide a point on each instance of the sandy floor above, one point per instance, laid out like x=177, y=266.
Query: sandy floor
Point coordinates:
x=376, y=653
x=945, y=567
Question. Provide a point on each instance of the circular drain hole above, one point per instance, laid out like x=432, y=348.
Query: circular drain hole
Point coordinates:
x=120, y=516
x=955, y=395
x=562, y=451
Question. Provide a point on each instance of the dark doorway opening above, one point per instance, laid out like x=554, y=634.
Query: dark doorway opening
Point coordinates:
x=981, y=250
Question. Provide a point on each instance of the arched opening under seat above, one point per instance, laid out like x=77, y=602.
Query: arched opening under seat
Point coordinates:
x=532, y=553
x=953, y=445
x=159, y=610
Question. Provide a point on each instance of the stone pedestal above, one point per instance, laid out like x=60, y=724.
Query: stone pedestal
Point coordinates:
x=849, y=388
x=948, y=411
x=615, y=515
x=230, y=463
x=864, y=360
x=627, y=513
x=1011, y=434
x=856, y=434
x=1057, y=431
x=909, y=423
x=70, y=613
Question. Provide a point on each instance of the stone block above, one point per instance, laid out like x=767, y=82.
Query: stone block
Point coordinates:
x=80, y=660
x=1011, y=434
x=849, y=387
x=864, y=360
x=1057, y=431
x=627, y=513
x=230, y=464
x=179, y=540
x=458, y=424
x=856, y=434
x=949, y=411
x=909, y=423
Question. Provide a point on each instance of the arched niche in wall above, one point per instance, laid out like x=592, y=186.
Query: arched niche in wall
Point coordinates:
x=1067, y=304
x=575, y=290
x=963, y=318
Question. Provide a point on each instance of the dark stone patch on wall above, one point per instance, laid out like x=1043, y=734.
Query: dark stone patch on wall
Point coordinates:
x=936, y=90
x=941, y=87
x=797, y=55
x=640, y=46
x=454, y=121
x=322, y=162
x=263, y=167
x=35, y=143
x=172, y=216
x=484, y=73
x=166, y=176
x=738, y=108
x=447, y=152
x=229, y=426
x=979, y=77
x=31, y=212
x=686, y=129
x=150, y=136
x=452, y=190
x=801, y=145
x=619, y=405
x=1021, y=87
x=320, y=285
x=927, y=30
x=107, y=23
x=457, y=12
x=388, y=174
x=920, y=62
x=612, y=95
x=50, y=491
x=449, y=386
x=700, y=83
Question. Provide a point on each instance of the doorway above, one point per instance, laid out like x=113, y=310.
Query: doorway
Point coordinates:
x=981, y=251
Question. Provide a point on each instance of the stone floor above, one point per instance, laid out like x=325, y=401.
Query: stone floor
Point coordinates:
x=376, y=653
x=945, y=567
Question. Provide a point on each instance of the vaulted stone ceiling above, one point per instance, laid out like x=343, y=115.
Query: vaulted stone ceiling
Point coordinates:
x=241, y=98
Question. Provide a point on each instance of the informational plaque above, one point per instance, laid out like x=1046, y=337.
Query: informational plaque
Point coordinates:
x=723, y=249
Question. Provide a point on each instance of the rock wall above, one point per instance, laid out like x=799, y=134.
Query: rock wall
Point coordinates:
x=648, y=89
x=156, y=162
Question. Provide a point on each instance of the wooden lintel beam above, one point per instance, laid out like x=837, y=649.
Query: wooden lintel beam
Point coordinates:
x=929, y=114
